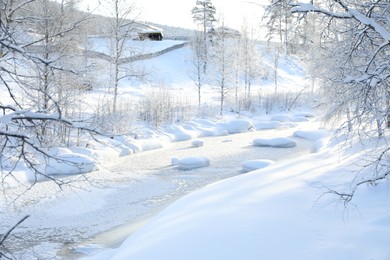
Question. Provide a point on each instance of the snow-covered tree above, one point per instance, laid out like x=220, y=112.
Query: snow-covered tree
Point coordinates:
x=249, y=59
x=23, y=54
x=354, y=64
x=360, y=69
x=223, y=62
x=197, y=61
x=203, y=14
x=57, y=39
x=121, y=28
x=278, y=22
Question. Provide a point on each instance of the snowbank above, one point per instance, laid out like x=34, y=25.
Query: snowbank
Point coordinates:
x=252, y=165
x=278, y=142
x=274, y=125
x=236, y=126
x=64, y=161
x=281, y=118
x=313, y=135
x=190, y=163
x=278, y=214
x=197, y=143
x=70, y=164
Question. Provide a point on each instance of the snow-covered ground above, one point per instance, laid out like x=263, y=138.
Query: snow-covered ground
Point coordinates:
x=279, y=212
x=130, y=187
x=155, y=189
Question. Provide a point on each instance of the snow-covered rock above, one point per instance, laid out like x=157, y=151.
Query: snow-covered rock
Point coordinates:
x=179, y=133
x=197, y=143
x=174, y=161
x=300, y=119
x=281, y=118
x=252, y=165
x=236, y=126
x=274, y=125
x=190, y=163
x=278, y=142
x=149, y=144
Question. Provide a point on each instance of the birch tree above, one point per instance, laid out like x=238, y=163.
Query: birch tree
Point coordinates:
x=121, y=29
x=250, y=60
x=197, y=61
x=223, y=63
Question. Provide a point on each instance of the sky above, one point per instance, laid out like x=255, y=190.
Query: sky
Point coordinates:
x=178, y=12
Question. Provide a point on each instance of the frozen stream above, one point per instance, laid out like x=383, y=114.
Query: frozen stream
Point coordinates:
x=116, y=199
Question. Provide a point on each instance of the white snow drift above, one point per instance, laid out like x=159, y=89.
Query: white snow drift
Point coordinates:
x=252, y=165
x=277, y=142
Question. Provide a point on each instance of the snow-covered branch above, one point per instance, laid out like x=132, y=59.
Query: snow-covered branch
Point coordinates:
x=307, y=8
x=350, y=13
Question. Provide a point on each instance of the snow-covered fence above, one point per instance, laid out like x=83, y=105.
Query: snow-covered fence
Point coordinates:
x=100, y=55
x=151, y=55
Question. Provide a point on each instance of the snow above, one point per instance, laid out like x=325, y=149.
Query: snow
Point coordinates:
x=63, y=161
x=252, y=165
x=131, y=47
x=281, y=118
x=313, y=135
x=290, y=118
x=69, y=164
x=351, y=13
x=278, y=212
x=191, y=163
x=274, y=125
x=197, y=143
x=236, y=126
x=277, y=142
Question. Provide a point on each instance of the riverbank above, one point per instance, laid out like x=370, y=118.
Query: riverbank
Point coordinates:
x=130, y=187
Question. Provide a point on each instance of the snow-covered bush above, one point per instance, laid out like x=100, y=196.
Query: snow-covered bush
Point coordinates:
x=159, y=106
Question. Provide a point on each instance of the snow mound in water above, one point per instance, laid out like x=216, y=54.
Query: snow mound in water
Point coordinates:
x=278, y=142
x=300, y=119
x=190, y=163
x=281, y=118
x=290, y=118
x=174, y=161
x=236, y=126
x=252, y=165
x=274, y=125
x=197, y=143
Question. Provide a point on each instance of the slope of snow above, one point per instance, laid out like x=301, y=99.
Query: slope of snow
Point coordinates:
x=279, y=212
